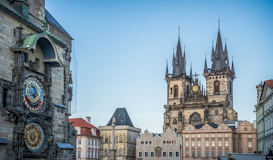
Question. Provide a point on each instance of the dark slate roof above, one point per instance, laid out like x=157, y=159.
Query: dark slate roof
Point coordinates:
x=122, y=118
x=53, y=21
x=213, y=125
x=232, y=127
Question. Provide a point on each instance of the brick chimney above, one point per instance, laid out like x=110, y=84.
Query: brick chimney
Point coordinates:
x=88, y=120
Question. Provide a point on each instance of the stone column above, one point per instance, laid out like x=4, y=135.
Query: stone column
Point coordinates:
x=113, y=151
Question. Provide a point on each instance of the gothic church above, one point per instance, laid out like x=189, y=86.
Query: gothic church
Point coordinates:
x=188, y=102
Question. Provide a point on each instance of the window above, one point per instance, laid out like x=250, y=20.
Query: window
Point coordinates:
x=152, y=154
x=106, y=140
x=164, y=154
x=146, y=154
x=187, y=153
x=120, y=139
x=220, y=143
x=25, y=57
x=139, y=154
x=198, y=153
x=189, y=128
x=193, y=154
x=92, y=142
x=226, y=153
x=187, y=136
x=199, y=143
x=192, y=143
x=175, y=91
x=219, y=135
x=239, y=144
x=206, y=128
x=198, y=135
x=192, y=136
x=120, y=152
x=195, y=119
x=207, y=153
x=249, y=136
x=212, y=135
x=239, y=136
x=207, y=143
x=170, y=154
x=79, y=154
x=187, y=143
x=176, y=154
x=105, y=152
x=245, y=129
x=226, y=143
x=216, y=86
x=213, y=143
x=79, y=141
x=174, y=121
x=212, y=153
x=226, y=134
x=207, y=135
x=219, y=153
x=249, y=144
x=37, y=61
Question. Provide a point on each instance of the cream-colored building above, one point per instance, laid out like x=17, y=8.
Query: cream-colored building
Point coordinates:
x=167, y=145
x=207, y=141
x=125, y=137
x=88, y=139
x=245, y=138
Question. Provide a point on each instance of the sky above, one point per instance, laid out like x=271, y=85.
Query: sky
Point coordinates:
x=122, y=47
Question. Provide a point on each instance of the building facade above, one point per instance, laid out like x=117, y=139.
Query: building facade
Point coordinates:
x=188, y=103
x=260, y=120
x=35, y=87
x=125, y=137
x=264, y=110
x=167, y=145
x=88, y=139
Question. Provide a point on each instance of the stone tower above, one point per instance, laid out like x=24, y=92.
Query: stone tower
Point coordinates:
x=188, y=102
x=219, y=78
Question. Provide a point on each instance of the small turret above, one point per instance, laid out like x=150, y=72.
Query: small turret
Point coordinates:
x=167, y=71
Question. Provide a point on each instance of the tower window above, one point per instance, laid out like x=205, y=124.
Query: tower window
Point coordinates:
x=174, y=121
x=216, y=86
x=230, y=88
x=175, y=91
x=171, y=90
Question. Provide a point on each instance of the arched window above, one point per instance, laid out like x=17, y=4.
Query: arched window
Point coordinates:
x=174, y=121
x=216, y=87
x=120, y=152
x=120, y=139
x=106, y=139
x=171, y=90
x=175, y=129
x=175, y=91
x=195, y=119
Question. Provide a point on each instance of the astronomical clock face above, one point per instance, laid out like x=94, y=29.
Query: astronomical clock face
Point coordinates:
x=195, y=88
x=33, y=94
x=34, y=136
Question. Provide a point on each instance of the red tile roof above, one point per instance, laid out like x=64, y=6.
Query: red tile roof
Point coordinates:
x=270, y=83
x=85, y=127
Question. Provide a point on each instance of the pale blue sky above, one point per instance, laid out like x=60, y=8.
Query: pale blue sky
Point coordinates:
x=122, y=47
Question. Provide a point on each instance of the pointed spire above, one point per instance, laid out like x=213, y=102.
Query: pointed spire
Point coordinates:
x=212, y=52
x=167, y=71
x=232, y=66
x=219, y=24
x=205, y=67
x=173, y=57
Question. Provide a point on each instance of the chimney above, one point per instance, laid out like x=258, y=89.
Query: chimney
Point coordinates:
x=88, y=119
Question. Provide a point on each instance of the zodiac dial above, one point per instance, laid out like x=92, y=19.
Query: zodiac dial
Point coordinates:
x=33, y=94
x=34, y=136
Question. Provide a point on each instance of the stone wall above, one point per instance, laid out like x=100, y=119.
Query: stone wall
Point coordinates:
x=37, y=8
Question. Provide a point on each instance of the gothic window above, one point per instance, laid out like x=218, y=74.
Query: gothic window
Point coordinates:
x=180, y=116
x=175, y=121
x=230, y=88
x=216, y=87
x=175, y=129
x=175, y=91
x=106, y=139
x=188, y=89
x=195, y=119
x=171, y=90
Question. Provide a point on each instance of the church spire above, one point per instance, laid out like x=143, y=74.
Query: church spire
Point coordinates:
x=218, y=56
x=167, y=71
x=184, y=56
x=178, y=66
x=205, y=67
x=232, y=67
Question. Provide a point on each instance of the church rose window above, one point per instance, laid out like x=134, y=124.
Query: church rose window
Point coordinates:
x=175, y=91
x=216, y=86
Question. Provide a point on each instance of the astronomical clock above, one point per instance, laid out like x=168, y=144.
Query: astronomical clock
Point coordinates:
x=35, y=85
